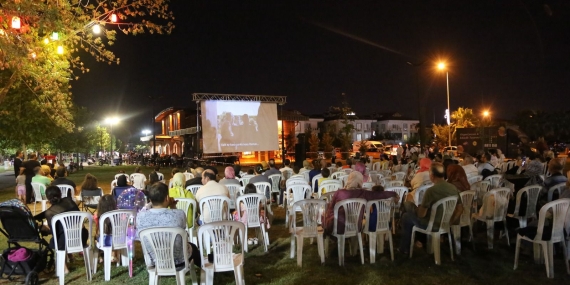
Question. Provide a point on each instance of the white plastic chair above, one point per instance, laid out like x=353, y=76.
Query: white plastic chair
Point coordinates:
x=311, y=210
x=384, y=181
x=419, y=194
x=395, y=183
x=532, y=193
x=38, y=187
x=495, y=179
x=375, y=177
x=501, y=200
x=188, y=175
x=138, y=180
x=344, y=179
x=293, y=194
x=184, y=204
x=72, y=224
x=329, y=186
x=481, y=188
x=120, y=174
x=217, y=208
x=559, y=209
x=386, y=173
x=400, y=176
x=64, y=189
x=160, y=177
x=314, y=181
x=114, y=184
x=263, y=188
x=402, y=193
x=332, y=169
x=474, y=179
x=252, y=204
x=234, y=189
x=353, y=214
x=275, y=179
x=193, y=189
x=290, y=182
x=218, y=238
x=376, y=237
x=337, y=175
x=367, y=185
x=448, y=206
x=558, y=187
x=161, y=240
x=244, y=180
x=464, y=221
x=170, y=184
x=119, y=221
x=376, y=166
x=288, y=171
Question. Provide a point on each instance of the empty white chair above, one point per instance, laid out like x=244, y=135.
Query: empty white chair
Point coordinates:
x=559, y=210
x=556, y=188
x=311, y=211
x=118, y=220
x=367, y=185
x=337, y=175
x=495, y=179
x=376, y=235
x=532, y=193
x=214, y=209
x=138, y=180
x=384, y=181
x=189, y=207
x=494, y=210
x=244, y=180
x=400, y=176
x=188, y=175
x=218, y=238
x=402, y=193
x=474, y=179
x=464, y=221
x=72, y=225
x=65, y=189
x=386, y=173
x=38, y=197
x=251, y=208
x=353, y=214
x=193, y=189
x=161, y=241
x=375, y=177
x=275, y=179
x=234, y=189
x=419, y=194
x=293, y=194
x=434, y=232
x=329, y=186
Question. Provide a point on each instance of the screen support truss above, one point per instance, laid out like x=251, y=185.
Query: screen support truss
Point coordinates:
x=281, y=100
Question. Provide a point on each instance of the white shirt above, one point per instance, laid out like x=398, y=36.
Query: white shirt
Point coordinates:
x=470, y=170
x=483, y=166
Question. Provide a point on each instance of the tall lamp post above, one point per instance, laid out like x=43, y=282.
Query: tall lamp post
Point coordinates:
x=441, y=66
x=112, y=121
x=146, y=133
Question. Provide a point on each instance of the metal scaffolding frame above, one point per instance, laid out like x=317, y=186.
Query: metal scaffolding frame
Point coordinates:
x=281, y=100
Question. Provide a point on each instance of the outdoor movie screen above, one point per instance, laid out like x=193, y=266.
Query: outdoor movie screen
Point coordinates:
x=237, y=126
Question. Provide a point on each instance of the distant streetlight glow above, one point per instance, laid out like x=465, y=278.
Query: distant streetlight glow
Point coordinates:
x=59, y=49
x=486, y=113
x=96, y=29
x=112, y=121
x=441, y=66
x=146, y=132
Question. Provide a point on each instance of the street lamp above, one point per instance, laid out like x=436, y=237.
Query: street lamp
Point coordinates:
x=441, y=66
x=112, y=121
x=487, y=116
x=146, y=132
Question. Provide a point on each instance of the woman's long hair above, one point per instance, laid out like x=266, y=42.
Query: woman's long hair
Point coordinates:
x=90, y=182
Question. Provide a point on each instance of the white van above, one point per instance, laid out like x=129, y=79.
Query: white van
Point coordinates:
x=370, y=146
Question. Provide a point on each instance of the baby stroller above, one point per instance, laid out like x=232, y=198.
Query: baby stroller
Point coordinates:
x=18, y=226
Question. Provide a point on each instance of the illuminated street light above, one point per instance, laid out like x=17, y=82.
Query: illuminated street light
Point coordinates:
x=59, y=49
x=486, y=113
x=441, y=66
x=146, y=132
x=96, y=29
x=112, y=121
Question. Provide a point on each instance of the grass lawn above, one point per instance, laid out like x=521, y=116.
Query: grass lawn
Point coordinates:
x=275, y=267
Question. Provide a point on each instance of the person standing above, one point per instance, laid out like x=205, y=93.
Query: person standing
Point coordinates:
x=18, y=163
x=29, y=166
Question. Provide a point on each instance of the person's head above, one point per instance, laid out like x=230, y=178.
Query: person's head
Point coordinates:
x=46, y=170
x=249, y=189
x=377, y=188
x=272, y=163
x=178, y=180
x=19, y=154
x=61, y=171
x=486, y=157
x=323, y=164
x=436, y=172
x=339, y=164
x=199, y=171
x=354, y=181
x=499, y=152
x=296, y=169
x=138, y=169
x=287, y=162
x=326, y=172
x=467, y=160
x=250, y=171
x=157, y=168
x=554, y=166
x=106, y=204
x=532, y=155
x=425, y=163
x=258, y=169
x=33, y=156
x=174, y=171
x=122, y=180
x=316, y=164
x=237, y=168
x=153, y=178
x=349, y=162
x=306, y=164
x=38, y=170
x=207, y=176
x=229, y=173
x=158, y=194
x=53, y=194
x=90, y=182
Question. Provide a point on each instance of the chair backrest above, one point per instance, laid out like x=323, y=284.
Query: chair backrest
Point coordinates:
x=353, y=215
x=244, y=180
x=170, y=184
x=299, y=191
x=495, y=179
x=90, y=193
x=286, y=173
x=501, y=198
x=376, y=166
x=217, y=206
x=261, y=187
x=386, y=173
x=160, y=176
x=532, y=193
x=337, y=175
x=297, y=176
x=332, y=169
x=375, y=177
x=113, y=183
x=560, y=212
x=295, y=181
x=419, y=194
x=557, y=187
x=233, y=189
x=367, y=185
x=275, y=178
x=138, y=180
x=188, y=175
x=38, y=187
x=343, y=180
x=347, y=171
x=161, y=242
x=395, y=183
x=400, y=175
x=64, y=189
x=508, y=184
x=119, y=222
x=193, y=188
x=383, y=209
x=72, y=224
x=448, y=206
x=400, y=190
x=306, y=176
x=467, y=200
x=218, y=238
x=311, y=210
x=252, y=203
x=186, y=204
x=314, y=181
x=474, y=179
x=327, y=197
x=329, y=186
x=481, y=188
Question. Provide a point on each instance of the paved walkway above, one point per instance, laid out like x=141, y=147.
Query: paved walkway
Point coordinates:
x=7, y=180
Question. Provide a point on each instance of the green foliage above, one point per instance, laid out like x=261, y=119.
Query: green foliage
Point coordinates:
x=327, y=145
x=346, y=115
x=314, y=145
x=464, y=118
x=363, y=148
x=441, y=133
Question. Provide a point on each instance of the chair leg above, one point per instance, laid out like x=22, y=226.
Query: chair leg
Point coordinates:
x=87, y=260
x=550, y=268
x=517, y=252
x=359, y=236
x=471, y=237
x=565, y=252
x=292, y=253
x=151, y=278
x=450, y=244
x=246, y=247
x=372, y=236
x=457, y=238
x=94, y=260
x=412, y=242
x=380, y=242
x=490, y=233
x=391, y=246
x=340, y=241
x=546, y=259
x=507, y=232
x=429, y=244
x=522, y=222
x=124, y=257
x=107, y=252
x=264, y=238
x=320, y=245
x=299, y=251
x=180, y=278
x=436, y=245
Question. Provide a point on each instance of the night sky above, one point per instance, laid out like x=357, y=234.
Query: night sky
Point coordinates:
x=502, y=55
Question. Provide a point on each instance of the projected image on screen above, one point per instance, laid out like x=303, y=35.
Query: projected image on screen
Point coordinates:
x=235, y=126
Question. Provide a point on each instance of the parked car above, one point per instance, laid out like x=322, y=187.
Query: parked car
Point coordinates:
x=450, y=149
x=371, y=146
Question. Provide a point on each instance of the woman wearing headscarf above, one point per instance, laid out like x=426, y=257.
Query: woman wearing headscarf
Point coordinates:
x=361, y=168
x=229, y=176
x=421, y=176
x=456, y=176
x=178, y=191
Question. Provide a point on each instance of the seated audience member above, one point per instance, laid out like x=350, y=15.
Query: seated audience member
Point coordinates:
x=41, y=179
x=197, y=180
x=306, y=167
x=241, y=216
x=348, y=164
x=259, y=177
x=237, y=170
x=90, y=183
x=46, y=170
x=339, y=165
x=139, y=180
x=61, y=179
x=229, y=176
x=315, y=171
x=272, y=168
x=353, y=189
x=556, y=177
x=153, y=178
x=250, y=171
x=325, y=173
x=362, y=169
x=122, y=185
x=296, y=169
x=178, y=191
x=419, y=216
x=286, y=166
x=421, y=176
x=210, y=188
x=470, y=169
x=485, y=168
x=164, y=214
x=456, y=176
